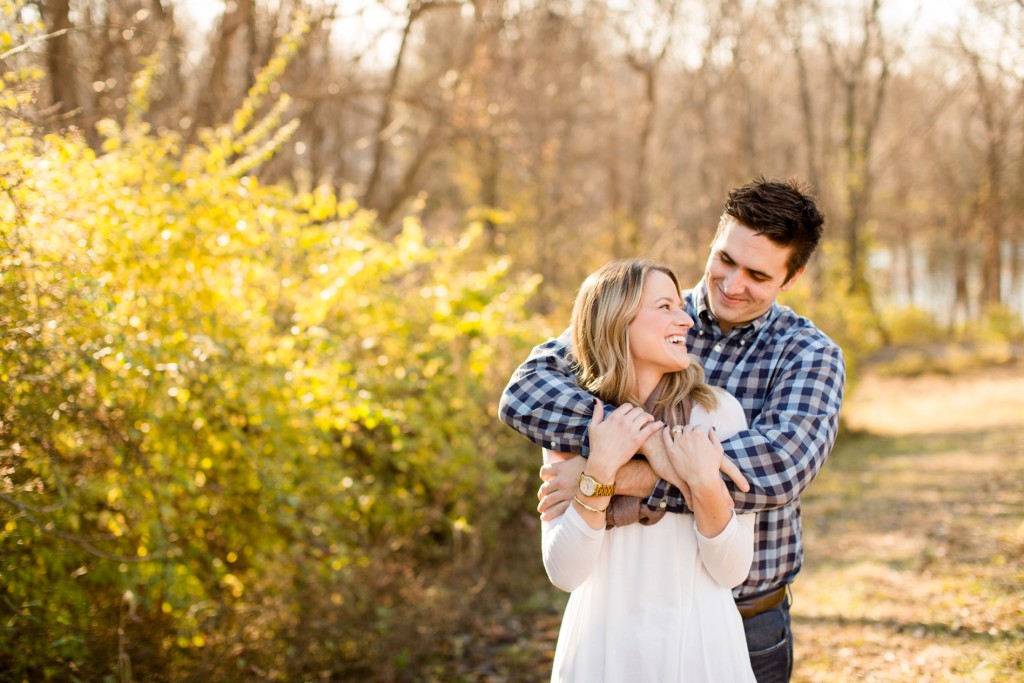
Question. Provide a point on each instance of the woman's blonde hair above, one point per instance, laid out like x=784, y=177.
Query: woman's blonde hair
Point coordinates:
x=607, y=302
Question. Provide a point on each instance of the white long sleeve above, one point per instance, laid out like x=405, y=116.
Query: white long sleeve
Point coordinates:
x=728, y=555
x=570, y=548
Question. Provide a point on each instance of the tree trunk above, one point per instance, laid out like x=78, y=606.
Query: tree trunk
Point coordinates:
x=220, y=95
x=60, y=61
x=384, y=122
x=991, y=256
x=638, y=206
x=961, y=298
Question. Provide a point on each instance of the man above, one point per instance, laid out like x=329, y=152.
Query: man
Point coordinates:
x=787, y=374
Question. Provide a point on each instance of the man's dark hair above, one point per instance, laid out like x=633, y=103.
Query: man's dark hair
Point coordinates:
x=784, y=211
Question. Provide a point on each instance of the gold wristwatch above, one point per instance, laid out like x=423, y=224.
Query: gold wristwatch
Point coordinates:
x=592, y=487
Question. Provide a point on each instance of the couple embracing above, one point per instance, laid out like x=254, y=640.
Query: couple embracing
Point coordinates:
x=679, y=429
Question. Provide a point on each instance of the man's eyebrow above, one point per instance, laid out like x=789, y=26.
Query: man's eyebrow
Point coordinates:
x=751, y=271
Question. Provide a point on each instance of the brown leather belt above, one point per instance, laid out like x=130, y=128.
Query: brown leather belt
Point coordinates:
x=751, y=607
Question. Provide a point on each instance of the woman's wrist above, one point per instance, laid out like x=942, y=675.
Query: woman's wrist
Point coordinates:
x=710, y=494
x=704, y=481
x=601, y=508
x=600, y=472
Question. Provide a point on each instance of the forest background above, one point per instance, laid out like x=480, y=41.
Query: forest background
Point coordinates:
x=264, y=276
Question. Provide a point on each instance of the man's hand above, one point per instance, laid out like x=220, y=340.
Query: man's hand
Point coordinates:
x=561, y=475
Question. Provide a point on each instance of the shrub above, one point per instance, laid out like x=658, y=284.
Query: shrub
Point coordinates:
x=236, y=427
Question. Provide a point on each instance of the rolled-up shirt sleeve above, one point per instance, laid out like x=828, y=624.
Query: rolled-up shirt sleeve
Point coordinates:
x=543, y=402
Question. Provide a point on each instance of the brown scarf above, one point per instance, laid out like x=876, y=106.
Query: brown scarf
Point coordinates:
x=624, y=510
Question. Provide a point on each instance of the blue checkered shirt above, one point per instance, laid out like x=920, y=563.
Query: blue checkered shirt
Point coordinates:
x=789, y=378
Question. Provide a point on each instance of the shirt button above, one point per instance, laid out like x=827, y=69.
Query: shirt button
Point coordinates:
x=663, y=504
x=718, y=348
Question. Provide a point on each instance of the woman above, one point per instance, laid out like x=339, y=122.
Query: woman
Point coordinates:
x=649, y=603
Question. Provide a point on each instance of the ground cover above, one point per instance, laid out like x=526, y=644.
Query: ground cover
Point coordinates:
x=915, y=536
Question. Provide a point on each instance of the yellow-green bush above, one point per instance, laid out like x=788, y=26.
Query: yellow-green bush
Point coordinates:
x=1000, y=324
x=230, y=413
x=846, y=318
x=912, y=326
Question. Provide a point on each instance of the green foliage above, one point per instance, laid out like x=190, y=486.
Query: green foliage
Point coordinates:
x=1000, y=324
x=920, y=346
x=229, y=413
x=913, y=326
x=847, y=318
x=944, y=359
x=901, y=341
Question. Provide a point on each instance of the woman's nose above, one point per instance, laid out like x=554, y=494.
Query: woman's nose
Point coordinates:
x=685, y=320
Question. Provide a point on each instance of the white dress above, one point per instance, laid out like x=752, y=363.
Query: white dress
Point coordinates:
x=652, y=603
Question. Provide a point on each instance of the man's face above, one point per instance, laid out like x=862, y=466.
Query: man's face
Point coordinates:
x=744, y=274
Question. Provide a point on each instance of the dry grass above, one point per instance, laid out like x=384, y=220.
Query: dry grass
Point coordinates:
x=915, y=536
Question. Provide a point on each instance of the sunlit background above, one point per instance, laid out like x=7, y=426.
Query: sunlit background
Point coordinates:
x=266, y=266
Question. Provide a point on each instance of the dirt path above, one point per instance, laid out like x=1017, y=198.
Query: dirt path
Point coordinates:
x=915, y=536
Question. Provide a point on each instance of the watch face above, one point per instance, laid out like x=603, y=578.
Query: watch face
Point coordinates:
x=587, y=486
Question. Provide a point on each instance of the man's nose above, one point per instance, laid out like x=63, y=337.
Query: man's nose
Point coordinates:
x=732, y=283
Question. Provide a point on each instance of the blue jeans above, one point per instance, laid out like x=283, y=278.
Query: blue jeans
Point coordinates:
x=770, y=643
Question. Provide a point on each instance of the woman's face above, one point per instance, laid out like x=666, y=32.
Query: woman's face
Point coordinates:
x=657, y=335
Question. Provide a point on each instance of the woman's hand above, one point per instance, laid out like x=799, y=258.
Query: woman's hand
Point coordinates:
x=616, y=439
x=695, y=454
x=704, y=451
x=656, y=450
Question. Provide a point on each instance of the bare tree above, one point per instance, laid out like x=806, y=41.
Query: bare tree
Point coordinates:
x=998, y=78
x=700, y=136
x=645, y=54
x=862, y=74
x=587, y=129
x=60, y=60
x=233, y=53
x=990, y=194
x=794, y=20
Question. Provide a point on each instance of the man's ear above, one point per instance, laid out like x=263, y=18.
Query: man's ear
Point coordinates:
x=792, y=281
